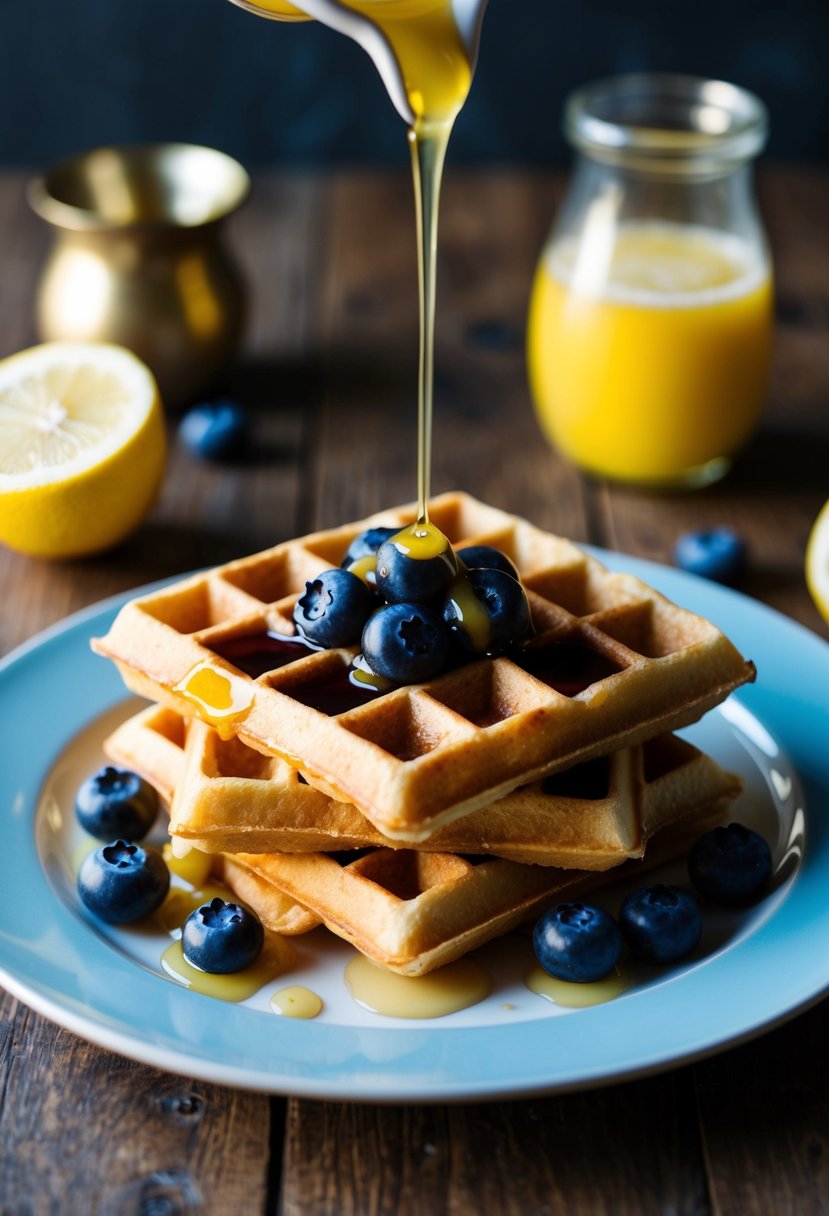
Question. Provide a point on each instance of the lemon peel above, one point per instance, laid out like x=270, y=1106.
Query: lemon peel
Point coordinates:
x=82, y=447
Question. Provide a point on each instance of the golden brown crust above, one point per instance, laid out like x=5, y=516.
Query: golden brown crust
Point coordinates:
x=423, y=756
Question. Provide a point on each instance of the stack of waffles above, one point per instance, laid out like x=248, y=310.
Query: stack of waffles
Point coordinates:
x=420, y=822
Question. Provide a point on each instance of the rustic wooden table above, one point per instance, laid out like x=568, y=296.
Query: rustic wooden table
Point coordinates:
x=329, y=372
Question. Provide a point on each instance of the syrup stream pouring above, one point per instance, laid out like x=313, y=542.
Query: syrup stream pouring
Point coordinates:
x=468, y=15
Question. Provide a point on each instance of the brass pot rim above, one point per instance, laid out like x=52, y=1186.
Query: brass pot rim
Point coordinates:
x=42, y=191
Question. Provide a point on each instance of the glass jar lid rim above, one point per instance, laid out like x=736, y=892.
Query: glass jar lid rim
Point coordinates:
x=666, y=115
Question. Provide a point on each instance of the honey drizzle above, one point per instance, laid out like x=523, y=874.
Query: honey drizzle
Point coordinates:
x=579, y=996
x=428, y=156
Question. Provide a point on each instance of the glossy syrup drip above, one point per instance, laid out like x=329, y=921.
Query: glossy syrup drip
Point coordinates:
x=296, y=1002
x=336, y=692
x=261, y=652
x=191, y=865
x=277, y=957
x=424, y=541
x=222, y=700
x=180, y=902
x=471, y=613
x=365, y=568
x=579, y=996
x=451, y=988
x=568, y=667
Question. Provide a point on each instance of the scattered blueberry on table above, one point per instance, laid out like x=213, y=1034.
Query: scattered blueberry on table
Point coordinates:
x=731, y=865
x=218, y=430
x=577, y=942
x=222, y=937
x=661, y=924
x=116, y=802
x=123, y=882
x=714, y=553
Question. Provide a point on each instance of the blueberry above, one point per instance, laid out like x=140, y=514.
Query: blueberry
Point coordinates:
x=486, y=557
x=405, y=643
x=486, y=610
x=415, y=567
x=660, y=924
x=123, y=882
x=216, y=430
x=718, y=554
x=221, y=937
x=730, y=865
x=366, y=544
x=116, y=802
x=334, y=609
x=577, y=942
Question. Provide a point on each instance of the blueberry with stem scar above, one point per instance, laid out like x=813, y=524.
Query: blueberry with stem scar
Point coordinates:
x=405, y=643
x=334, y=609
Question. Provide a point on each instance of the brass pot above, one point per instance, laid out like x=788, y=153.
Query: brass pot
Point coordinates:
x=139, y=258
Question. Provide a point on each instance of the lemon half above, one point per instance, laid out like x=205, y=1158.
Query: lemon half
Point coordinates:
x=82, y=447
x=817, y=562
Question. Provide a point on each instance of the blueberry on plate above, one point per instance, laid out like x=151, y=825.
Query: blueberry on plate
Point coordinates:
x=486, y=557
x=216, y=430
x=405, y=643
x=366, y=544
x=415, y=570
x=660, y=924
x=731, y=865
x=123, y=882
x=116, y=802
x=334, y=609
x=486, y=610
x=577, y=942
x=222, y=937
x=717, y=553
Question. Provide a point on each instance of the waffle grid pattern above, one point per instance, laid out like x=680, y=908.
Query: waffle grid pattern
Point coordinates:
x=226, y=797
x=423, y=755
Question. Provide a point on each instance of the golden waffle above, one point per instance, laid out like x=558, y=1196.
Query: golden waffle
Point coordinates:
x=230, y=798
x=613, y=663
x=411, y=911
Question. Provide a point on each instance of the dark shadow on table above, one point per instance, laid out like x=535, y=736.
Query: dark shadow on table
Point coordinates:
x=778, y=461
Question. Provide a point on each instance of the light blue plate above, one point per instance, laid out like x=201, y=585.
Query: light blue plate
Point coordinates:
x=753, y=969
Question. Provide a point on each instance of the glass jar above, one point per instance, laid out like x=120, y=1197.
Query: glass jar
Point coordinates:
x=650, y=324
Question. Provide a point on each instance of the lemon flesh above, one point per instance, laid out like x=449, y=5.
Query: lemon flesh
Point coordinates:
x=817, y=562
x=82, y=448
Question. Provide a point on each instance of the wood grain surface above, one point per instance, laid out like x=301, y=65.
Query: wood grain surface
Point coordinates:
x=329, y=374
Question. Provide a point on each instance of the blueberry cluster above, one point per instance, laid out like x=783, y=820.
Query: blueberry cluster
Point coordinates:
x=660, y=924
x=123, y=882
x=413, y=605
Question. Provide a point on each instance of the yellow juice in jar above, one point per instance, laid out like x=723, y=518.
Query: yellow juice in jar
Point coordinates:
x=649, y=359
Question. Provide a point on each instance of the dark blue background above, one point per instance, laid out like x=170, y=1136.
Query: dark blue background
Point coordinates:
x=88, y=72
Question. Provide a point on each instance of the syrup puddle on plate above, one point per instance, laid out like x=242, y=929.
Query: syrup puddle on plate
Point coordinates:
x=276, y=959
